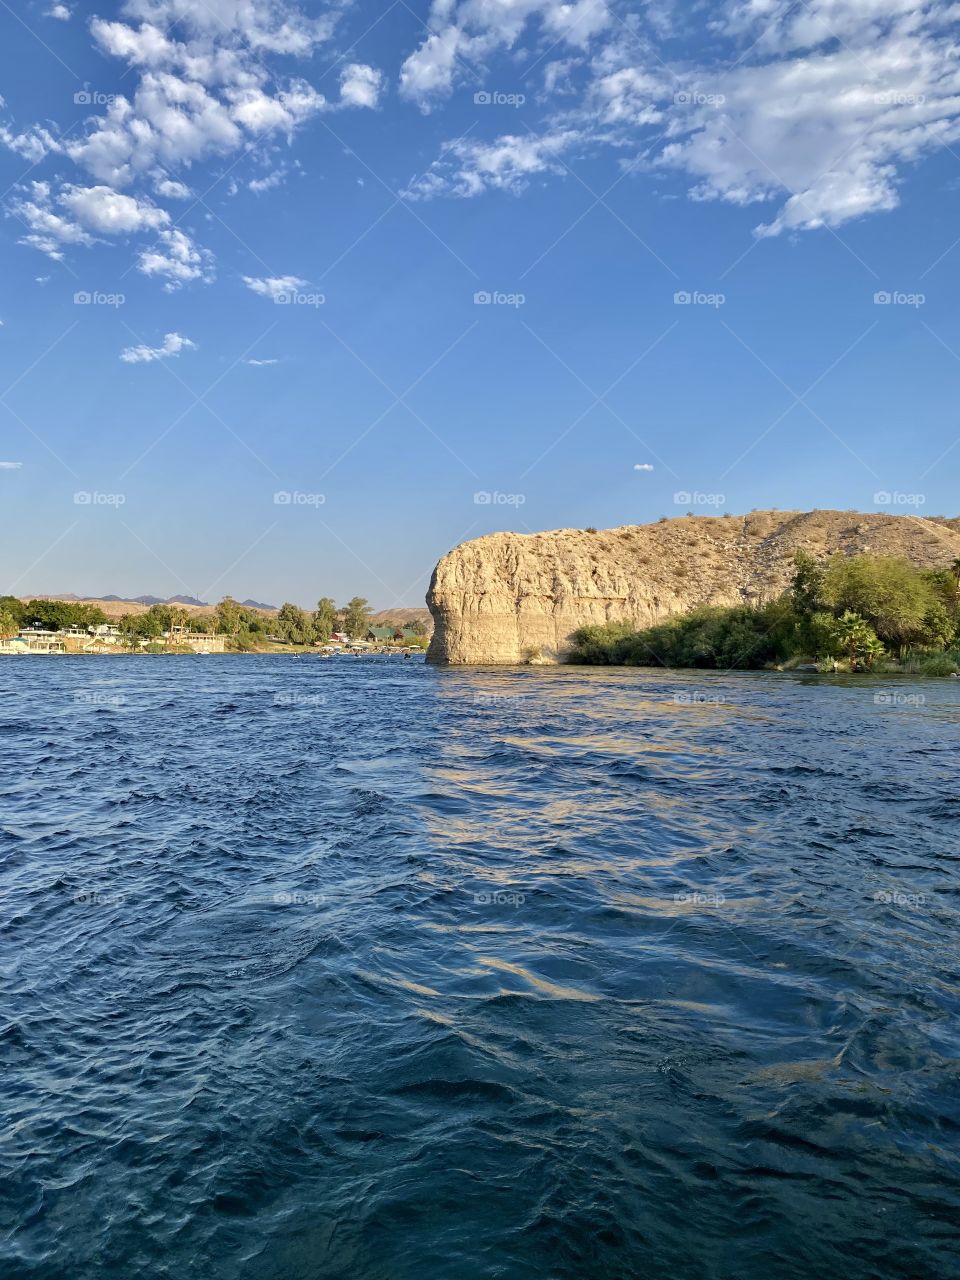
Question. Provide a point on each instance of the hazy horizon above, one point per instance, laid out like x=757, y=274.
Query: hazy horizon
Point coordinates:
x=578, y=260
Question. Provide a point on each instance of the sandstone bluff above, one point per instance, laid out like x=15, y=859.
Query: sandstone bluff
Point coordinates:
x=511, y=598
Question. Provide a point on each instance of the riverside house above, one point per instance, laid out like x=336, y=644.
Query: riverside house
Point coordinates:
x=34, y=640
x=198, y=641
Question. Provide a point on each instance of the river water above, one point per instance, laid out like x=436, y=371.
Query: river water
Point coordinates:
x=360, y=968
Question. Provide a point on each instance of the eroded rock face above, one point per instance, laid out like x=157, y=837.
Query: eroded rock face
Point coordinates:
x=511, y=598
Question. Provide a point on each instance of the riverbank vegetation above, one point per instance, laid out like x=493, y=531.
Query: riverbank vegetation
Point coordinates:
x=243, y=628
x=52, y=615
x=853, y=613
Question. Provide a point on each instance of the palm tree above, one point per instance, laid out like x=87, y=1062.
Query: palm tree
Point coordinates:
x=955, y=567
x=855, y=634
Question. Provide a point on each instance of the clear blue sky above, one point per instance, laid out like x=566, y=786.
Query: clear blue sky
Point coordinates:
x=782, y=164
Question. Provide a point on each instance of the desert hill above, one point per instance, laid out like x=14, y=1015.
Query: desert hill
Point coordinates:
x=509, y=596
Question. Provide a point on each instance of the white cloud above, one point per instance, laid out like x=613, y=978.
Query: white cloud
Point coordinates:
x=268, y=26
x=827, y=132
x=643, y=466
x=817, y=109
x=47, y=230
x=10, y=466
x=463, y=34
x=273, y=286
x=198, y=90
x=360, y=85
x=170, y=188
x=203, y=95
x=466, y=168
x=109, y=212
x=32, y=144
x=260, y=364
x=78, y=215
x=61, y=12
x=173, y=344
x=268, y=181
x=176, y=257
x=143, y=46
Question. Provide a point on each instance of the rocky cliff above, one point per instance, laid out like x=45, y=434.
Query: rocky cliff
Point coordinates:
x=513, y=598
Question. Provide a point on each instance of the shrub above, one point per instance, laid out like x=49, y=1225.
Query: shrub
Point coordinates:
x=846, y=613
x=929, y=664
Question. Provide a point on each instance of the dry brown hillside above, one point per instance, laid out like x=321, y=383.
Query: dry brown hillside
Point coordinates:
x=501, y=598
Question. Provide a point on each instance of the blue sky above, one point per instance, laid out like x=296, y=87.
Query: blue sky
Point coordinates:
x=247, y=243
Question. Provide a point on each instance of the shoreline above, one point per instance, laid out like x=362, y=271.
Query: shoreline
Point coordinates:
x=193, y=653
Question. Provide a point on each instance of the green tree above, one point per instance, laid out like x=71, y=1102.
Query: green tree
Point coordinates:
x=13, y=606
x=807, y=585
x=324, y=619
x=8, y=624
x=356, y=617
x=293, y=624
x=891, y=595
x=228, y=615
x=939, y=625
x=855, y=637
x=56, y=615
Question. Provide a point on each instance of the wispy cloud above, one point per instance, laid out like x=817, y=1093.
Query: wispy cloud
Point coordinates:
x=273, y=286
x=10, y=466
x=173, y=344
x=823, y=106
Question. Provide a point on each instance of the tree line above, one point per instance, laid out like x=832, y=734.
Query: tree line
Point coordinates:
x=855, y=613
x=294, y=625
x=52, y=615
x=245, y=626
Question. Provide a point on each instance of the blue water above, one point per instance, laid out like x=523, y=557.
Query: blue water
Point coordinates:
x=358, y=968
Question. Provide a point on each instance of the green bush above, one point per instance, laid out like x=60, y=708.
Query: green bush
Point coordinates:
x=857, y=612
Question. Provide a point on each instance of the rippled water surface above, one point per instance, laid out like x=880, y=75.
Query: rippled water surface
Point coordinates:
x=357, y=968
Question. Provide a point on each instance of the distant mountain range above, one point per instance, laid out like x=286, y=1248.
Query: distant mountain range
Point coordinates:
x=190, y=602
